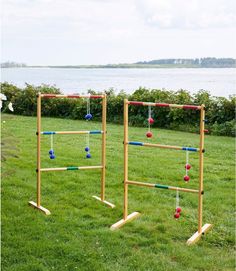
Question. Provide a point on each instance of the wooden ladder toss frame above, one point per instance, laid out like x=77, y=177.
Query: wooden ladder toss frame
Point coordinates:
x=37, y=204
x=127, y=218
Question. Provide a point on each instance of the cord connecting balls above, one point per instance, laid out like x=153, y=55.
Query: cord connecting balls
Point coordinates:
x=178, y=210
x=187, y=168
x=88, y=117
x=150, y=121
x=51, y=151
x=87, y=149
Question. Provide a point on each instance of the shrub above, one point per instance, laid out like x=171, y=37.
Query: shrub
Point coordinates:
x=220, y=112
x=227, y=129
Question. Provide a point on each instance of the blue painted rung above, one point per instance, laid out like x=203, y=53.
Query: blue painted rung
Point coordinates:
x=48, y=133
x=135, y=143
x=95, y=132
x=189, y=149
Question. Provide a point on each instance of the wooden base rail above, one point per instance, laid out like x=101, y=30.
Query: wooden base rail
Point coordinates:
x=197, y=235
x=39, y=207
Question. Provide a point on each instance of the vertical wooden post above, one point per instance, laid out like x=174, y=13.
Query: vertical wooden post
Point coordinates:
x=104, y=112
x=38, y=149
x=201, y=156
x=201, y=229
x=103, y=174
x=125, y=159
x=37, y=204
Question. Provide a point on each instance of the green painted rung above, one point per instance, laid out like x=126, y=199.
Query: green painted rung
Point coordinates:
x=72, y=168
x=161, y=186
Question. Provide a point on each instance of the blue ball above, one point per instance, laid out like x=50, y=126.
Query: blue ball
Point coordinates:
x=88, y=155
x=87, y=149
x=88, y=116
x=52, y=156
x=51, y=152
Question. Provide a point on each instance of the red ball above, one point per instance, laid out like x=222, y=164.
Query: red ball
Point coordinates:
x=178, y=210
x=186, y=178
x=176, y=215
x=149, y=134
x=151, y=120
x=187, y=166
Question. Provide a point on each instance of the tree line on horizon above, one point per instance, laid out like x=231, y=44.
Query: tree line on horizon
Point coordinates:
x=201, y=62
x=207, y=62
x=12, y=64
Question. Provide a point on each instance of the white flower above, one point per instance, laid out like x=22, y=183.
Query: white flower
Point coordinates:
x=10, y=107
x=3, y=97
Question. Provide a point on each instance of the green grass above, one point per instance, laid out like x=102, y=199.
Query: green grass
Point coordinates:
x=77, y=236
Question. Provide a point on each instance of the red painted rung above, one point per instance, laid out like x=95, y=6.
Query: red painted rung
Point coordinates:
x=82, y=96
x=95, y=96
x=48, y=96
x=136, y=103
x=162, y=105
x=190, y=107
x=72, y=96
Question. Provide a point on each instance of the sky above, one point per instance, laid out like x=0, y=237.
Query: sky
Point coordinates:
x=76, y=32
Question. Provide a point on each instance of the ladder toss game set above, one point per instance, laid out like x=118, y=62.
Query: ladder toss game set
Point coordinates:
x=202, y=229
x=87, y=149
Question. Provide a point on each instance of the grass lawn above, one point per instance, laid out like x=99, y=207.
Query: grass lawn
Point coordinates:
x=77, y=236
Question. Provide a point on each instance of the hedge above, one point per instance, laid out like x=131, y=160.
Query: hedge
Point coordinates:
x=220, y=111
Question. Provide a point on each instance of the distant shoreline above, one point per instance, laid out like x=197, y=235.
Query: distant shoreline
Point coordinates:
x=206, y=62
x=125, y=66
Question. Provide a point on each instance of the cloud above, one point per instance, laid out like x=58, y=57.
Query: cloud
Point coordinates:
x=110, y=31
x=92, y=19
x=188, y=14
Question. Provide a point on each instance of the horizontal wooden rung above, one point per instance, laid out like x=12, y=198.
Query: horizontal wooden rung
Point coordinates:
x=181, y=106
x=48, y=96
x=71, y=168
x=162, y=186
x=137, y=143
x=93, y=132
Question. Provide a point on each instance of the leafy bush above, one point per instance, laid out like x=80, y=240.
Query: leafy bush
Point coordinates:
x=228, y=128
x=220, y=111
